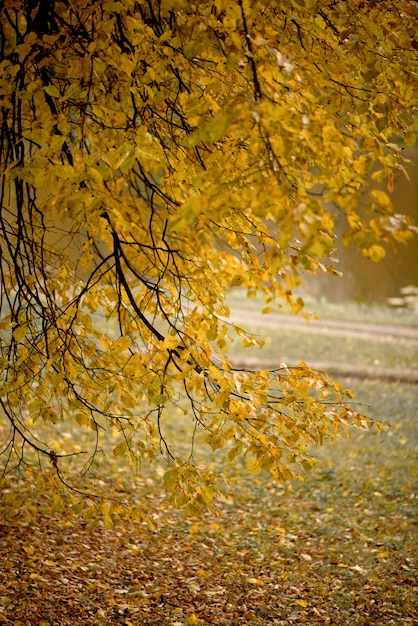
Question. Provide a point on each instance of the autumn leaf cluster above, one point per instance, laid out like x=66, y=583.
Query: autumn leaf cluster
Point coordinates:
x=155, y=155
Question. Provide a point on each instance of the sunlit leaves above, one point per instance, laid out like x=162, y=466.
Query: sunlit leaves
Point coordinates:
x=155, y=158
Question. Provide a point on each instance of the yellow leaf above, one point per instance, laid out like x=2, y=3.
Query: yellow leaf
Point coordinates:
x=194, y=529
x=192, y=620
x=375, y=253
x=170, y=478
x=274, y=259
x=120, y=449
x=19, y=332
x=237, y=280
x=170, y=343
x=330, y=134
x=254, y=466
x=51, y=90
x=301, y=602
x=127, y=165
x=382, y=200
x=202, y=573
x=410, y=138
x=107, y=520
x=255, y=581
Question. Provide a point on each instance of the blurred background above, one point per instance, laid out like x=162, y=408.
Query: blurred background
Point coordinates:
x=375, y=283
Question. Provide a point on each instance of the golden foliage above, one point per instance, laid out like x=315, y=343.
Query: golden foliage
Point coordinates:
x=153, y=156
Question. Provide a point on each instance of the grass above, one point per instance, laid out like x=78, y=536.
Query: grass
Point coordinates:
x=337, y=549
x=348, y=311
x=292, y=346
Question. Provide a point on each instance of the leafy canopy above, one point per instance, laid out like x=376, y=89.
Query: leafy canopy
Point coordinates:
x=156, y=154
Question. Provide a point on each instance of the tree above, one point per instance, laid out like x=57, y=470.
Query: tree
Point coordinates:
x=156, y=154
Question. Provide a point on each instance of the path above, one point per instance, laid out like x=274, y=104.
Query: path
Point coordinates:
x=384, y=333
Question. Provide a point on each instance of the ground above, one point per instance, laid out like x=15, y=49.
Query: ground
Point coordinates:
x=338, y=549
